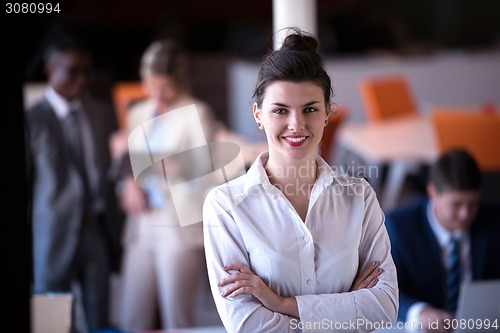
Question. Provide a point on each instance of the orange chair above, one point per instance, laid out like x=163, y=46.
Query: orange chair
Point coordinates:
x=387, y=97
x=477, y=132
x=125, y=93
x=327, y=142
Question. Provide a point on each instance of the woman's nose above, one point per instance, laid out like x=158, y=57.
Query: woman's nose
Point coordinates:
x=296, y=121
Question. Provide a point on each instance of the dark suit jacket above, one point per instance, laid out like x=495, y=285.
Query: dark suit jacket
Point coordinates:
x=57, y=189
x=417, y=255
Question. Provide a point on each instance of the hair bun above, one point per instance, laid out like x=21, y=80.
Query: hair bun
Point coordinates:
x=300, y=41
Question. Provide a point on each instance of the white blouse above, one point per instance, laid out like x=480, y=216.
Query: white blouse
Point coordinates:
x=249, y=220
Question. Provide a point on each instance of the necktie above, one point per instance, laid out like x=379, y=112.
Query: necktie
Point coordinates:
x=77, y=152
x=453, y=278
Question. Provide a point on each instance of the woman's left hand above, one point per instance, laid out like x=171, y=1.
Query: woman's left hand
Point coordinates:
x=367, y=278
x=244, y=281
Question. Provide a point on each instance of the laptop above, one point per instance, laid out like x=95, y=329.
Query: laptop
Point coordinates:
x=478, y=307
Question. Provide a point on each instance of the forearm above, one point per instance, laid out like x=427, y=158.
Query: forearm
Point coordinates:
x=245, y=313
x=355, y=311
x=285, y=305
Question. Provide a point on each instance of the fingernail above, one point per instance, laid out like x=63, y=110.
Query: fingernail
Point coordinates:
x=374, y=263
x=224, y=268
x=223, y=293
x=218, y=284
x=375, y=280
x=377, y=270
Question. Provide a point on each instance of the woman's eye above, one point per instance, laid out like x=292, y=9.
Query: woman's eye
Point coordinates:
x=280, y=111
x=310, y=109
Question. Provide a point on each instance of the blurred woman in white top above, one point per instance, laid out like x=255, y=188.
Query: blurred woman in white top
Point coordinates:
x=163, y=263
x=294, y=246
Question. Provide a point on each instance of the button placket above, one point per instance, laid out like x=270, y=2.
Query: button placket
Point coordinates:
x=307, y=257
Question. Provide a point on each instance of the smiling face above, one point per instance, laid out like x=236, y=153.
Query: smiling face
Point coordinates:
x=293, y=116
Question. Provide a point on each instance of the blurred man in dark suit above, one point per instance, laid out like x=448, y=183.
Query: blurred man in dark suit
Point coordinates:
x=68, y=133
x=440, y=241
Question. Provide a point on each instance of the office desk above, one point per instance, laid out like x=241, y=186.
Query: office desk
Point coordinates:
x=402, y=144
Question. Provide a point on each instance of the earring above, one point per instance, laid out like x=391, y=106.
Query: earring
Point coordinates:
x=259, y=125
x=326, y=121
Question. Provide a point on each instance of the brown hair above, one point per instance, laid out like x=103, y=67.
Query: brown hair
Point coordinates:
x=297, y=60
x=165, y=57
x=455, y=169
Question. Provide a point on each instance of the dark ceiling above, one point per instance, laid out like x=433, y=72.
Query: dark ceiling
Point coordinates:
x=120, y=30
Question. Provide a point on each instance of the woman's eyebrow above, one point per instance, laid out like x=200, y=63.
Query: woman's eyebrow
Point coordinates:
x=311, y=103
x=280, y=104
x=286, y=106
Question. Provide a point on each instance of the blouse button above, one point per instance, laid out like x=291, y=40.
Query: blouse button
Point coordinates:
x=306, y=238
x=309, y=282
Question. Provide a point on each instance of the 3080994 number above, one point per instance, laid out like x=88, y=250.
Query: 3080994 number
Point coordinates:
x=454, y=324
x=31, y=8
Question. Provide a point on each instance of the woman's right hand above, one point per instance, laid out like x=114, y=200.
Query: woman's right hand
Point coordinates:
x=133, y=199
x=367, y=278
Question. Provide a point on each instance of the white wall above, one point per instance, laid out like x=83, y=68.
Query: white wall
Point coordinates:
x=446, y=79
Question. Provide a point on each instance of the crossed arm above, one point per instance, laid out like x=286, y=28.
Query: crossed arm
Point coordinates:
x=244, y=281
x=245, y=301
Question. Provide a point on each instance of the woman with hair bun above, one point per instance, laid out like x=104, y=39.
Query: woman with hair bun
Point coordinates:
x=294, y=246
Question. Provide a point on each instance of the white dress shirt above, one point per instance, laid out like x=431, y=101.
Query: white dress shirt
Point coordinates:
x=249, y=220
x=443, y=237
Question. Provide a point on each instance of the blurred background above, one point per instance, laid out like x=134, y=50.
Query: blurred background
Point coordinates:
x=219, y=33
x=447, y=52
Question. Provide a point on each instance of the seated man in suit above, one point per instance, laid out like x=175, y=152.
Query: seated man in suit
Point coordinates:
x=440, y=241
